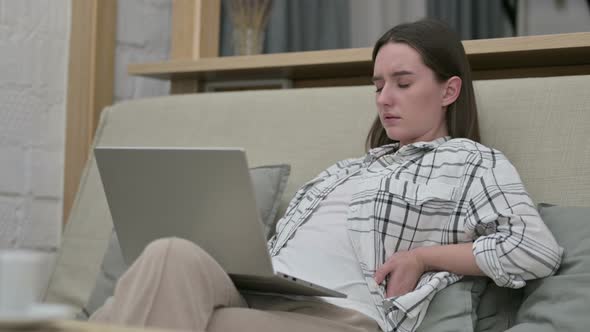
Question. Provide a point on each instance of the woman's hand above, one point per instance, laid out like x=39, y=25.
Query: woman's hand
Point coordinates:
x=404, y=269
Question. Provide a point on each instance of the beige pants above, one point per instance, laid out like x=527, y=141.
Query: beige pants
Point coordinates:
x=175, y=284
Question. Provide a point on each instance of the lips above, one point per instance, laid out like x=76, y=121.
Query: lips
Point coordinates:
x=391, y=119
x=392, y=116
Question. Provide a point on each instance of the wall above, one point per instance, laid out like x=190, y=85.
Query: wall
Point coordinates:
x=33, y=62
x=143, y=35
x=34, y=43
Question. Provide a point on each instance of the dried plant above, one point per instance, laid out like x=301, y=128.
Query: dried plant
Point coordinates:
x=252, y=14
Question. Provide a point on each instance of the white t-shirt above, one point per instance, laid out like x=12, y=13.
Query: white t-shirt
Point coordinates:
x=321, y=252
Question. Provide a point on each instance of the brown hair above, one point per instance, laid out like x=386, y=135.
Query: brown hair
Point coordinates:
x=441, y=51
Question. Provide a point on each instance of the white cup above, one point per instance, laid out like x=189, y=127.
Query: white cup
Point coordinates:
x=20, y=276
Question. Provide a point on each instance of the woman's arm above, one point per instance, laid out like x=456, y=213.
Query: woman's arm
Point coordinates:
x=511, y=244
x=455, y=258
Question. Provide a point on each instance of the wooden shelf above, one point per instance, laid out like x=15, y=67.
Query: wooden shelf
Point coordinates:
x=312, y=64
x=559, y=53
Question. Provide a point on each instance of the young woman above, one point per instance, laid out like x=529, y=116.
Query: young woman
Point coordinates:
x=426, y=205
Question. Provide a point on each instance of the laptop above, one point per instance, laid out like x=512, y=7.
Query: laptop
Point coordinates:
x=204, y=195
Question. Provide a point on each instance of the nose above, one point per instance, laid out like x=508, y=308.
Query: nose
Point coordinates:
x=384, y=97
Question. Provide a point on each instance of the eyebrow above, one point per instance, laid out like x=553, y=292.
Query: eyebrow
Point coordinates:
x=394, y=74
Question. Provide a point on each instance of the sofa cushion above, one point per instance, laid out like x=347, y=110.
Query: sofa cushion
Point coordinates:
x=497, y=308
x=453, y=308
x=269, y=184
x=273, y=126
x=559, y=302
x=541, y=125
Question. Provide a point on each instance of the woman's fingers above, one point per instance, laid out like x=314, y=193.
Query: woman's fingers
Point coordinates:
x=383, y=271
x=403, y=269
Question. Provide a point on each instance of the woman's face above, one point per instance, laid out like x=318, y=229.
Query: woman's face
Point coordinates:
x=410, y=101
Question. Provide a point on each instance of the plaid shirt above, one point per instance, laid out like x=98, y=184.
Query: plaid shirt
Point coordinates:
x=427, y=194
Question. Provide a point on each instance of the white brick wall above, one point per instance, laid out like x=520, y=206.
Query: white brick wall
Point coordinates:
x=143, y=35
x=33, y=70
x=33, y=66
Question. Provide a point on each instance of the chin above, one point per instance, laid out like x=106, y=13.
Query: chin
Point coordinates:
x=394, y=134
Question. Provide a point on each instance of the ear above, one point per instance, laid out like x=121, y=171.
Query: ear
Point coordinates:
x=452, y=90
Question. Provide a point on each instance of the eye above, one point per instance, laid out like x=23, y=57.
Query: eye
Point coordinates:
x=403, y=86
x=378, y=89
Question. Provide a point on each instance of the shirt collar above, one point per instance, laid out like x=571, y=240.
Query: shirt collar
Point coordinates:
x=378, y=152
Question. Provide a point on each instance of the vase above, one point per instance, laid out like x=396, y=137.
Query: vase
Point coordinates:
x=247, y=40
x=249, y=19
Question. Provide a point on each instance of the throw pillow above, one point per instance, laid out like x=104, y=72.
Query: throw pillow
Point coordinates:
x=269, y=183
x=453, y=309
x=559, y=302
x=497, y=308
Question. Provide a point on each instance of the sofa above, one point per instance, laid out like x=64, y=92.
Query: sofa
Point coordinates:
x=541, y=124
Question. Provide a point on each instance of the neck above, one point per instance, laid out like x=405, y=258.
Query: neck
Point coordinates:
x=442, y=132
